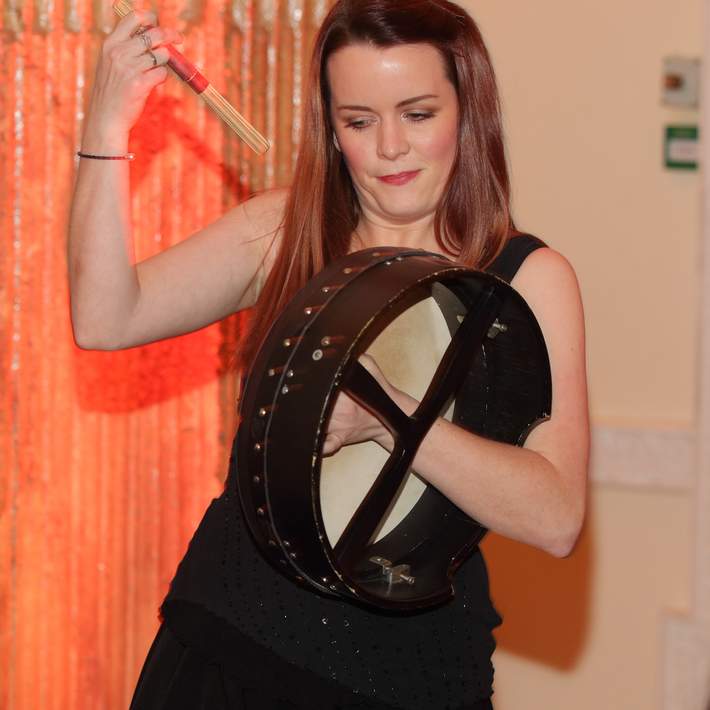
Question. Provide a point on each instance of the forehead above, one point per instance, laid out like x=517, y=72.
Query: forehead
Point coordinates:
x=362, y=73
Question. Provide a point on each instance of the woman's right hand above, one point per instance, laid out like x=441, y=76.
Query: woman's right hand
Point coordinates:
x=116, y=302
x=125, y=75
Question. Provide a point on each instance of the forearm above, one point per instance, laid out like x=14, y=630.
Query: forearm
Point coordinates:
x=512, y=490
x=102, y=278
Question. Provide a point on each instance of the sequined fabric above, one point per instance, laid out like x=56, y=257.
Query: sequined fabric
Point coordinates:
x=224, y=590
x=438, y=658
x=177, y=676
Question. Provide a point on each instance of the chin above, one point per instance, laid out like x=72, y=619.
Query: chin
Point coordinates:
x=406, y=212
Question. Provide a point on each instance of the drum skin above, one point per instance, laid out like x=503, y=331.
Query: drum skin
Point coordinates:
x=495, y=369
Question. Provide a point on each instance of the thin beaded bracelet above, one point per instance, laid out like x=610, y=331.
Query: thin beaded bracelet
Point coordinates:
x=127, y=156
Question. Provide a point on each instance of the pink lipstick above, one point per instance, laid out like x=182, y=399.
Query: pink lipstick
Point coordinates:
x=399, y=178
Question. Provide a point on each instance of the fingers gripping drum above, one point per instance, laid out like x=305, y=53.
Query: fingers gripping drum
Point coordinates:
x=494, y=369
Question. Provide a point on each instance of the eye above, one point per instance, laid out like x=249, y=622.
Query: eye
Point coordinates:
x=418, y=116
x=358, y=124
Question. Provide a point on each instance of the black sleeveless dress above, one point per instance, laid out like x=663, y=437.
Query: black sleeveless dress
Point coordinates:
x=238, y=635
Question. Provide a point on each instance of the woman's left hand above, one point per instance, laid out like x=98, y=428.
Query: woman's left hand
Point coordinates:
x=350, y=423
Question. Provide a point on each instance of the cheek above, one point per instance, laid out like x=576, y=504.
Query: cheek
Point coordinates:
x=355, y=156
x=442, y=146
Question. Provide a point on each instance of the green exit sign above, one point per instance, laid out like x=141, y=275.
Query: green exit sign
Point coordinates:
x=681, y=147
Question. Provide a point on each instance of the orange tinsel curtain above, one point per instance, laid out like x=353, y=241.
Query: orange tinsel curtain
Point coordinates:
x=107, y=460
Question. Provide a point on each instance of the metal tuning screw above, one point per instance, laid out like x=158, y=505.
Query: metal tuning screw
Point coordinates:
x=393, y=574
x=497, y=328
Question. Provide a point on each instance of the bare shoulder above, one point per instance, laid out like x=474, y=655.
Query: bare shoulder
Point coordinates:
x=547, y=281
x=264, y=211
x=257, y=219
x=546, y=273
x=241, y=244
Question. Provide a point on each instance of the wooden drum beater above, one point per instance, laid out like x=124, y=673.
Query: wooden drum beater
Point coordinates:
x=197, y=82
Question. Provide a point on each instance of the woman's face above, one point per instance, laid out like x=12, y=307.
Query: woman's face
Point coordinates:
x=395, y=114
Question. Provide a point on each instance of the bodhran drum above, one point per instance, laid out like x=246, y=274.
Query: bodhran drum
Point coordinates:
x=361, y=524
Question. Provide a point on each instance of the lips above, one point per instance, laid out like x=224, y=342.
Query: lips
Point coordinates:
x=399, y=178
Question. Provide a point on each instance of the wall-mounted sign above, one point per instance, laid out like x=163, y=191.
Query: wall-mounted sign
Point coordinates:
x=681, y=147
x=681, y=81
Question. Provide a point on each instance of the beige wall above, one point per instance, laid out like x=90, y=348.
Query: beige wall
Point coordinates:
x=581, y=91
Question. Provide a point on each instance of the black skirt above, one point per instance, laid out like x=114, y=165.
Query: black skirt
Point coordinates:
x=179, y=677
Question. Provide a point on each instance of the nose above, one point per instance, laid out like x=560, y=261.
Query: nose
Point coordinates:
x=392, y=139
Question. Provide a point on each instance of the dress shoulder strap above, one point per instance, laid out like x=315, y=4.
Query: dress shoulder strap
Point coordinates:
x=514, y=253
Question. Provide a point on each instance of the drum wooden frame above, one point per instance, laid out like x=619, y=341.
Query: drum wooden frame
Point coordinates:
x=495, y=368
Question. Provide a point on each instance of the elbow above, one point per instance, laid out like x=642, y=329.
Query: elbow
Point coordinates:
x=88, y=338
x=566, y=534
x=86, y=342
x=563, y=545
x=90, y=331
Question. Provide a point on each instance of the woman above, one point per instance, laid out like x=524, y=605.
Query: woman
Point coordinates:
x=402, y=145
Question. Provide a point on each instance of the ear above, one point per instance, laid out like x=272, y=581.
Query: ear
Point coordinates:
x=335, y=142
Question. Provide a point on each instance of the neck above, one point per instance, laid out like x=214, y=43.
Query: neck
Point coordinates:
x=371, y=232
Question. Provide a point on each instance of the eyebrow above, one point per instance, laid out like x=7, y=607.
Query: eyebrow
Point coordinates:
x=401, y=104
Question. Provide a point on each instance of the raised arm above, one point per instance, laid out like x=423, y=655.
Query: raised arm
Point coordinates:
x=116, y=303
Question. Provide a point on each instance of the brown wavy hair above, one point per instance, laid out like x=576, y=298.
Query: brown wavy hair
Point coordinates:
x=472, y=221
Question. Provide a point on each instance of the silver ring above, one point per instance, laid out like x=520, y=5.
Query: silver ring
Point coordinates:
x=145, y=38
x=153, y=57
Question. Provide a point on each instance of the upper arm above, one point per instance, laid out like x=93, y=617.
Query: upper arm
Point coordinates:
x=548, y=283
x=211, y=274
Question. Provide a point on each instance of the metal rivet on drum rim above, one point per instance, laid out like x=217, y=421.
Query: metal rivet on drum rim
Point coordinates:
x=388, y=263
x=287, y=342
x=333, y=587
x=375, y=253
x=262, y=412
x=272, y=372
x=400, y=258
x=287, y=543
x=257, y=446
x=497, y=327
x=325, y=289
x=325, y=580
x=260, y=511
x=284, y=389
x=308, y=311
x=292, y=555
x=347, y=270
x=325, y=341
x=256, y=479
x=289, y=374
x=317, y=354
